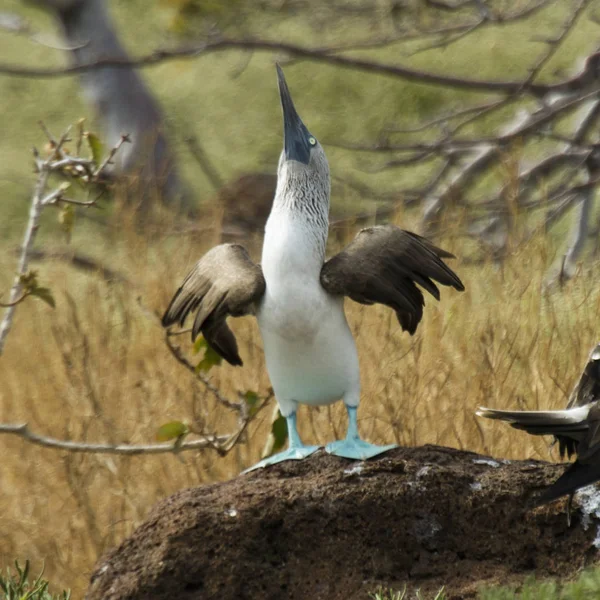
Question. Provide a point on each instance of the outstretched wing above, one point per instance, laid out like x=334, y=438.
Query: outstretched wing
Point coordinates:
x=224, y=282
x=586, y=469
x=570, y=426
x=384, y=264
x=586, y=391
x=577, y=430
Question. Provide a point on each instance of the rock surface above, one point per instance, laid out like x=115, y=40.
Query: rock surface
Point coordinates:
x=326, y=528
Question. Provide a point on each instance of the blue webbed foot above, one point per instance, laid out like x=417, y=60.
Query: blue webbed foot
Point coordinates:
x=357, y=449
x=353, y=447
x=297, y=453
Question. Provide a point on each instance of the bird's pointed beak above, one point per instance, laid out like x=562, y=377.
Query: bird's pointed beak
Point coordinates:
x=295, y=134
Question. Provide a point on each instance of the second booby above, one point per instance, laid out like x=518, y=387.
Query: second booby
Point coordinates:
x=298, y=297
x=576, y=429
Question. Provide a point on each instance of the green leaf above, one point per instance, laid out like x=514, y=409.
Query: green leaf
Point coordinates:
x=251, y=398
x=210, y=358
x=279, y=432
x=66, y=218
x=29, y=280
x=44, y=294
x=22, y=573
x=175, y=430
x=200, y=344
x=31, y=287
x=95, y=146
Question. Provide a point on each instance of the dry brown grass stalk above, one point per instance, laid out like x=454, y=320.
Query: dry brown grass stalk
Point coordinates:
x=97, y=369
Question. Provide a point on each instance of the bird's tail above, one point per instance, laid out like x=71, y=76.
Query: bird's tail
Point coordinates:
x=578, y=475
x=542, y=422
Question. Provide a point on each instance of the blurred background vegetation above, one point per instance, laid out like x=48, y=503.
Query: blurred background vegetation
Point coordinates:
x=96, y=367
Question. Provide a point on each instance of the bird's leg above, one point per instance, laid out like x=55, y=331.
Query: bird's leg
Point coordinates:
x=293, y=435
x=296, y=449
x=352, y=446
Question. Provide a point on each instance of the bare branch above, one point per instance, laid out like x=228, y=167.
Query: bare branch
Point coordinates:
x=58, y=161
x=15, y=302
x=178, y=354
x=555, y=43
x=579, y=234
x=23, y=431
x=319, y=55
x=205, y=164
x=529, y=126
x=107, y=161
x=82, y=262
x=30, y=233
x=445, y=119
x=16, y=24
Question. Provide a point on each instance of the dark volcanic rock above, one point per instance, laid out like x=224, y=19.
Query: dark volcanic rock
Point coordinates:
x=327, y=528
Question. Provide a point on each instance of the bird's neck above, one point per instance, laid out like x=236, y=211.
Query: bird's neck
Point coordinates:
x=297, y=228
x=304, y=196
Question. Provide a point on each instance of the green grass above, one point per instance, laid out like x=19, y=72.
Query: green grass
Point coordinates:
x=585, y=587
x=389, y=594
x=237, y=118
x=18, y=586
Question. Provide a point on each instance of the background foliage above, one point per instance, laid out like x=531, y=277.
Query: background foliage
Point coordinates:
x=96, y=367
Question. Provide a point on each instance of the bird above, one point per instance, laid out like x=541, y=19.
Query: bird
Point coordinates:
x=297, y=296
x=576, y=429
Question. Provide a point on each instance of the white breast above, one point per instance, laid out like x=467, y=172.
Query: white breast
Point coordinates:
x=310, y=353
x=291, y=266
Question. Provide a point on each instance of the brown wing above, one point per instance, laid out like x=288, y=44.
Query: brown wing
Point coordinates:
x=577, y=430
x=224, y=282
x=586, y=469
x=586, y=391
x=384, y=265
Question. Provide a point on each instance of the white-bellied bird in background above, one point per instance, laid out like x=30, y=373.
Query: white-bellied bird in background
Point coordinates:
x=576, y=429
x=298, y=296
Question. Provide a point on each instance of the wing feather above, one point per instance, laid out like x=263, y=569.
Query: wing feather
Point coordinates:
x=225, y=282
x=577, y=430
x=384, y=264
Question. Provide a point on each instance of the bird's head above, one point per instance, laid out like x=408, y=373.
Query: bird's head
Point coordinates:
x=302, y=153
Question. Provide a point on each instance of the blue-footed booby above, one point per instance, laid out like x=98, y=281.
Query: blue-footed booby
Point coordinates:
x=298, y=297
x=576, y=429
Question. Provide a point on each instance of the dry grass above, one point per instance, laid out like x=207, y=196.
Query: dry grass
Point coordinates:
x=97, y=368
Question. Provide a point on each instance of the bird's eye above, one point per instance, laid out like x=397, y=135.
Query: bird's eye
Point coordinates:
x=312, y=141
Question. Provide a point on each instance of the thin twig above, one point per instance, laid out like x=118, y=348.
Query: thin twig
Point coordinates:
x=22, y=430
x=17, y=301
x=81, y=261
x=319, y=55
x=181, y=359
x=555, y=43
x=205, y=163
x=123, y=139
x=30, y=233
x=56, y=162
